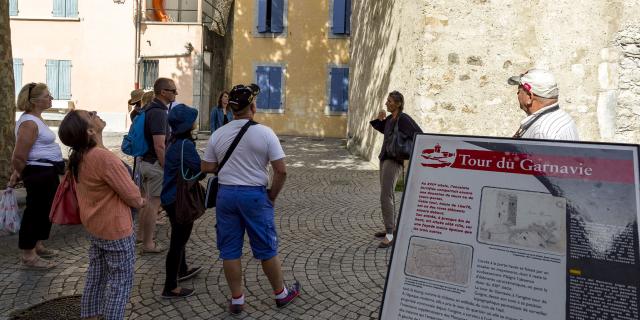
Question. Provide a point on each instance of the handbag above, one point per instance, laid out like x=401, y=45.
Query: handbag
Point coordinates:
x=189, y=195
x=9, y=214
x=65, y=209
x=400, y=145
x=212, y=184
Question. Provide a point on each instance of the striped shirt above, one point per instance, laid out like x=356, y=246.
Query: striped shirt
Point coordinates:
x=556, y=125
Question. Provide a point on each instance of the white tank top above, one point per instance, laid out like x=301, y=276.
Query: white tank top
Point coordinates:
x=45, y=146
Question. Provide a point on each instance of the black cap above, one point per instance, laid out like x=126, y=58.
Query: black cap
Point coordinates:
x=255, y=88
x=240, y=97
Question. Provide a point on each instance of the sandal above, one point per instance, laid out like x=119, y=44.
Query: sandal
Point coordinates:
x=156, y=249
x=37, y=263
x=385, y=243
x=380, y=234
x=47, y=253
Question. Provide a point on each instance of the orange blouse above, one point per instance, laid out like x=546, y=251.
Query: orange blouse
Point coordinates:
x=106, y=194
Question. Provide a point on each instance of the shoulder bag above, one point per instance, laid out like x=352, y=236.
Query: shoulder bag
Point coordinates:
x=189, y=195
x=212, y=184
x=65, y=209
x=400, y=145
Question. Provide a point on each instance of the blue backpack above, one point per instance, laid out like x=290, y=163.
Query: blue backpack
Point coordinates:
x=134, y=143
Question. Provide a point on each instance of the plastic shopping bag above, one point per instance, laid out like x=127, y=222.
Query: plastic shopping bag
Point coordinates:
x=9, y=213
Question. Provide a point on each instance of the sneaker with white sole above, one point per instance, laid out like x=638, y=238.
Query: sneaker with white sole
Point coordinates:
x=293, y=292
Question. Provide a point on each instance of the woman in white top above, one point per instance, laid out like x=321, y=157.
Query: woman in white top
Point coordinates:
x=37, y=160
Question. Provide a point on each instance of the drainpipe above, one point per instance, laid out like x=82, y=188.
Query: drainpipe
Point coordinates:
x=138, y=4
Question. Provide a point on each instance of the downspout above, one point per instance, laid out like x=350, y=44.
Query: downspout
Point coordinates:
x=137, y=44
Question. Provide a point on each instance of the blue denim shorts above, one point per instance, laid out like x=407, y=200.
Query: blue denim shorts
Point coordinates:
x=240, y=208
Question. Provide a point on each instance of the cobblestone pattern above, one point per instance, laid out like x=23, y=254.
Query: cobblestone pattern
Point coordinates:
x=326, y=216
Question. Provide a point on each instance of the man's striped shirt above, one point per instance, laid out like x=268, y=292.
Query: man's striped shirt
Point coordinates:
x=556, y=125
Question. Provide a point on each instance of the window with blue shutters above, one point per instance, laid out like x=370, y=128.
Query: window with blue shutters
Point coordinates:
x=17, y=75
x=59, y=79
x=338, y=90
x=65, y=8
x=270, y=16
x=149, y=73
x=13, y=7
x=270, y=79
x=341, y=17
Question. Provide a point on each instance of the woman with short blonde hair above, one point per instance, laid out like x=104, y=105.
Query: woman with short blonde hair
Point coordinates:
x=37, y=160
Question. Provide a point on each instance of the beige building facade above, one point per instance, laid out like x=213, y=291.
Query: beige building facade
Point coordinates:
x=298, y=52
x=93, y=53
x=452, y=59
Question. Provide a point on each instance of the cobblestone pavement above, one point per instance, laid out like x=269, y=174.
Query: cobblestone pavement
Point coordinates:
x=326, y=216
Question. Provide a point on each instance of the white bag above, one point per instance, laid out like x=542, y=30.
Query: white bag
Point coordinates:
x=9, y=214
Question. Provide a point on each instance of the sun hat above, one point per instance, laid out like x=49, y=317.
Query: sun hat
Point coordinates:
x=181, y=118
x=136, y=95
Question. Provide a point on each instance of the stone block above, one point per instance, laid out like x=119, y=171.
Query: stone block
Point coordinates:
x=608, y=76
x=606, y=113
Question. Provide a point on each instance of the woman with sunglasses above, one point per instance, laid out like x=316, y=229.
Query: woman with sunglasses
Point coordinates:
x=105, y=194
x=37, y=160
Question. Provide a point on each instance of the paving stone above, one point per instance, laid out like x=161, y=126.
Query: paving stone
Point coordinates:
x=325, y=218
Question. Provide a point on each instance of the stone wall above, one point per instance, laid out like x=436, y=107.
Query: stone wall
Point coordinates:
x=451, y=59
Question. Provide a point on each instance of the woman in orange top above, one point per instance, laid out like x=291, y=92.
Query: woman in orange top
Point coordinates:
x=105, y=194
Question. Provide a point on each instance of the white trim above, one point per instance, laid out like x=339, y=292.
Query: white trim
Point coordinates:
x=327, y=107
x=282, y=65
x=285, y=23
x=58, y=19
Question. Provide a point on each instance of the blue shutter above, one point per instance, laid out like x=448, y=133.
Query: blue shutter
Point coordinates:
x=262, y=76
x=345, y=89
x=335, y=95
x=59, y=7
x=347, y=18
x=13, y=7
x=275, y=86
x=277, y=16
x=17, y=74
x=262, y=16
x=339, y=7
x=52, y=77
x=71, y=9
x=64, y=80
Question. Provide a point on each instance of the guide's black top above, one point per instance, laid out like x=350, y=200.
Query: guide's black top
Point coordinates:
x=406, y=125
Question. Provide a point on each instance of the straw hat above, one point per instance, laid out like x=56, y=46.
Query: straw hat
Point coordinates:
x=136, y=95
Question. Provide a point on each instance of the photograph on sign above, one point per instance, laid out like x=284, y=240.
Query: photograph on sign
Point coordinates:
x=439, y=260
x=528, y=220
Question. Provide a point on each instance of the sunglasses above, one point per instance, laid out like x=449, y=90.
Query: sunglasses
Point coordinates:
x=174, y=91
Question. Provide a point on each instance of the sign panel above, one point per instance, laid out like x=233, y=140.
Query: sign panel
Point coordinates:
x=516, y=229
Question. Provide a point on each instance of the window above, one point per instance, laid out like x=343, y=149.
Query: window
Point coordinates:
x=17, y=74
x=271, y=16
x=65, y=8
x=13, y=7
x=59, y=79
x=269, y=78
x=338, y=90
x=174, y=10
x=149, y=73
x=341, y=17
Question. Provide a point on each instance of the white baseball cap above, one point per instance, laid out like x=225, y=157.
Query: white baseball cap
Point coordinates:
x=537, y=81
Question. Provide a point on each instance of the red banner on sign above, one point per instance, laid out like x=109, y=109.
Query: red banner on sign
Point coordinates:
x=583, y=168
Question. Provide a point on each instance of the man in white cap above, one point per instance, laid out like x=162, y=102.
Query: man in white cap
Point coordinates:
x=538, y=98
